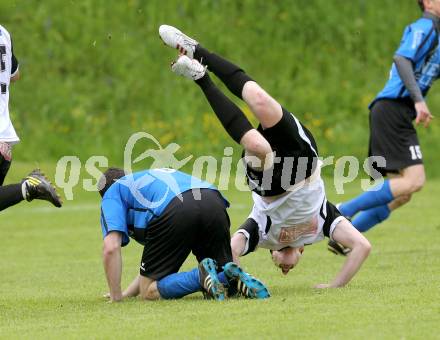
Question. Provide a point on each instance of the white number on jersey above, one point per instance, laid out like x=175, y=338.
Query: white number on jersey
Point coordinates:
x=416, y=153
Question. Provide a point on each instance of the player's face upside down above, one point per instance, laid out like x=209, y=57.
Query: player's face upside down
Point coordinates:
x=287, y=258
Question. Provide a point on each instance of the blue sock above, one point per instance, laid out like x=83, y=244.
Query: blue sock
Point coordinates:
x=222, y=278
x=369, y=218
x=368, y=200
x=178, y=285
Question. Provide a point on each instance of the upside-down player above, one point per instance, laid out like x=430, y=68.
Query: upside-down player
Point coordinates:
x=290, y=207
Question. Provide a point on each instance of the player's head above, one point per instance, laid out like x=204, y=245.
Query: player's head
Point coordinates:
x=431, y=6
x=108, y=178
x=287, y=258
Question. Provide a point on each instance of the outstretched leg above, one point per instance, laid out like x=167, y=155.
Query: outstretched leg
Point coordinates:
x=395, y=192
x=10, y=195
x=232, y=118
x=402, y=186
x=34, y=186
x=265, y=108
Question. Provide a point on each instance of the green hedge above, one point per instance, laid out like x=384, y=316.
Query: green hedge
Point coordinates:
x=95, y=71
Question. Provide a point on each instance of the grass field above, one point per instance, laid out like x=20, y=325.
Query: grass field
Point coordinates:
x=51, y=281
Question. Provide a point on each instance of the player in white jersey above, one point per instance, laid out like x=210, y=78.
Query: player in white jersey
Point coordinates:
x=35, y=185
x=282, y=167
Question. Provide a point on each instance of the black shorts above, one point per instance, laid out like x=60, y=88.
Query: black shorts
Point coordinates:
x=328, y=212
x=393, y=136
x=197, y=226
x=296, y=149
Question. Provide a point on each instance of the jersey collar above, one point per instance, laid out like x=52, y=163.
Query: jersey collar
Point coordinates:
x=435, y=19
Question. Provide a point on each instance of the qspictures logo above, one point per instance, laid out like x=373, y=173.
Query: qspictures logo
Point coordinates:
x=164, y=163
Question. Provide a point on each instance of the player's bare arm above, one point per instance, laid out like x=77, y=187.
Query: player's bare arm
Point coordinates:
x=133, y=288
x=238, y=245
x=348, y=236
x=112, y=261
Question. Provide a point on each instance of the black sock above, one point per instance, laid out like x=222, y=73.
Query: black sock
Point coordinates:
x=231, y=75
x=4, y=168
x=232, y=287
x=10, y=195
x=232, y=118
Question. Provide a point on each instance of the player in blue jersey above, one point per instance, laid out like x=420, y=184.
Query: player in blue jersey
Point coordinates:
x=392, y=134
x=171, y=214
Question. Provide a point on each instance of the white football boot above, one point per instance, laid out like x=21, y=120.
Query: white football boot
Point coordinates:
x=172, y=37
x=189, y=68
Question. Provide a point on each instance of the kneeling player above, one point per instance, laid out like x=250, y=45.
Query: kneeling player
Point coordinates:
x=172, y=214
x=290, y=207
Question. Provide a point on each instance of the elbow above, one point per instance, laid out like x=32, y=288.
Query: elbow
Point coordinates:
x=236, y=253
x=402, y=62
x=238, y=244
x=398, y=58
x=365, y=247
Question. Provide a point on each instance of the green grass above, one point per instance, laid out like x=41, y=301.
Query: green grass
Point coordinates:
x=96, y=71
x=51, y=281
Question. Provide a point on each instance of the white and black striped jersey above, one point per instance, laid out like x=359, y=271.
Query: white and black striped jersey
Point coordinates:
x=8, y=68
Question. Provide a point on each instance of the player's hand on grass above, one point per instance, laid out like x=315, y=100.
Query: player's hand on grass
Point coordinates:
x=423, y=114
x=110, y=299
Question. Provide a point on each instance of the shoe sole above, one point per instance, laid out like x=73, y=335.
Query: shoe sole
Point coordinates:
x=217, y=289
x=55, y=198
x=255, y=289
x=181, y=49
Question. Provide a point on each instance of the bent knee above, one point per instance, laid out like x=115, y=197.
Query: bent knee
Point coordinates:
x=150, y=293
x=412, y=185
x=418, y=184
x=415, y=180
x=258, y=147
x=256, y=97
x=401, y=200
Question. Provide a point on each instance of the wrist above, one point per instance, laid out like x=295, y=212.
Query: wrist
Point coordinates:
x=127, y=294
x=116, y=296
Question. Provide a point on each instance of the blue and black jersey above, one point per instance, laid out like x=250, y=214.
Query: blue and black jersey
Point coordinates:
x=420, y=44
x=133, y=201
